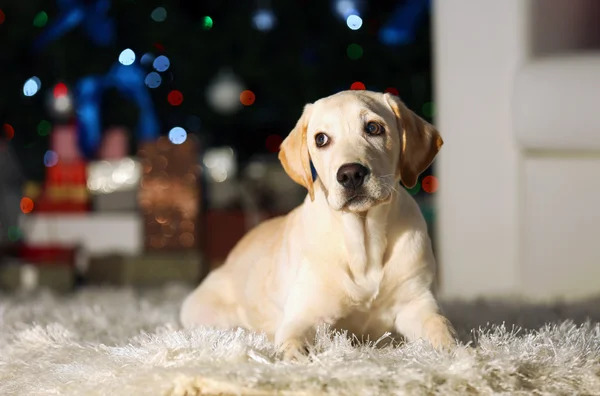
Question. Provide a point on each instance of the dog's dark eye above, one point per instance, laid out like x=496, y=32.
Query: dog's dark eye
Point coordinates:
x=321, y=139
x=374, y=128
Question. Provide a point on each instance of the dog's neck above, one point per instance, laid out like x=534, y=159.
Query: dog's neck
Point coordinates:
x=365, y=240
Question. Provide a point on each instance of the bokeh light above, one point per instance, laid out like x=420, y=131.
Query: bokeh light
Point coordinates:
x=147, y=59
x=264, y=19
x=14, y=234
x=247, y=97
x=273, y=142
x=153, y=80
x=415, y=189
x=60, y=90
x=429, y=109
x=50, y=159
x=175, y=98
x=358, y=86
x=2, y=17
x=161, y=63
x=207, y=23
x=41, y=19
x=159, y=14
x=430, y=184
x=177, y=135
x=127, y=57
x=392, y=91
x=26, y=205
x=354, y=22
x=354, y=51
x=159, y=47
x=44, y=128
x=9, y=131
x=62, y=104
x=32, y=86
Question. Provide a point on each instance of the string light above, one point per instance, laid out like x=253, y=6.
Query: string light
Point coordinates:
x=207, y=23
x=430, y=184
x=44, y=128
x=175, y=98
x=41, y=19
x=153, y=80
x=177, y=135
x=161, y=63
x=26, y=205
x=354, y=51
x=429, y=109
x=247, y=97
x=32, y=86
x=354, y=22
x=159, y=14
x=50, y=159
x=127, y=57
x=9, y=131
x=358, y=86
x=392, y=91
x=60, y=90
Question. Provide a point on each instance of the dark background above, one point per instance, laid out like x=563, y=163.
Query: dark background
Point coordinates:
x=304, y=57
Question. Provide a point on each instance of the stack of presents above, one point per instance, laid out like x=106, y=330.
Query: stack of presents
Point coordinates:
x=167, y=214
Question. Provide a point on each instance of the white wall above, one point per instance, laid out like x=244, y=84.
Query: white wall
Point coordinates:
x=478, y=46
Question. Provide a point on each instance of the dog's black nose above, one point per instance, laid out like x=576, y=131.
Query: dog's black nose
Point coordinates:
x=352, y=176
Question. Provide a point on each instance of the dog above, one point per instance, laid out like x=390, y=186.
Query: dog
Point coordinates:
x=355, y=255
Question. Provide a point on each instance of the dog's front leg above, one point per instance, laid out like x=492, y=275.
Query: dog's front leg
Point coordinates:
x=308, y=305
x=418, y=317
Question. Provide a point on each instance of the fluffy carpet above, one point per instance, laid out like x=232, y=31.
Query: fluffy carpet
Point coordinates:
x=126, y=342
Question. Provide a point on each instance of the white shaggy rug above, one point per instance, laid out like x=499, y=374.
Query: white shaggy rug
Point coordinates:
x=125, y=342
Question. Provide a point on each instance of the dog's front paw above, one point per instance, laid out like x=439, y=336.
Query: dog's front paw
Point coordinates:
x=440, y=333
x=293, y=350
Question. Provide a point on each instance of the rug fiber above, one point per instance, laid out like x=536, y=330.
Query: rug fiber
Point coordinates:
x=125, y=342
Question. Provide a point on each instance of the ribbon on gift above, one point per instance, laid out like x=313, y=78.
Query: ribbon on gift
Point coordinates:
x=129, y=82
x=91, y=15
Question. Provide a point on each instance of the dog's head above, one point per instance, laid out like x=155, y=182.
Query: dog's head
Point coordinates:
x=361, y=144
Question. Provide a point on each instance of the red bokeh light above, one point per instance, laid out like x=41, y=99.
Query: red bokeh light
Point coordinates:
x=358, y=86
x=430, y=184
x=26, y=205
x=247, y=97
x=175, y=98
x=2, y=17
x=159, y=47
x=60, y=90
x=393, y=91
x=273, y=143
x=9, y=131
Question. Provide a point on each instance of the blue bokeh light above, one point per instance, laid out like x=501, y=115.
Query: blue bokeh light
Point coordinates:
x=177, y=135
x=264, y=19
x=354, y=22
x=127, y=57
x=153, y=80
x=159, y=14
x=147, y=59
x=50, y=158
x=32, y=86
x=161, y=63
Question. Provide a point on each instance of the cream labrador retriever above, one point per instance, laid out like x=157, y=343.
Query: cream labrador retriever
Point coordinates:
x=356, y=254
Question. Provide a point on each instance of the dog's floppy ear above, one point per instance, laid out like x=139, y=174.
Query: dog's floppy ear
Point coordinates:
x=293, y=154
x=419, y=142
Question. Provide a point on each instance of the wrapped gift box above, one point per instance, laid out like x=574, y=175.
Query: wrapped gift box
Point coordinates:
x=115, y=144
x=27, y=277
x=169, y=195
x=150, y=269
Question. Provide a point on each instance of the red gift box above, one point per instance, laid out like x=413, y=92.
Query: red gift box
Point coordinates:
x=48, y=255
